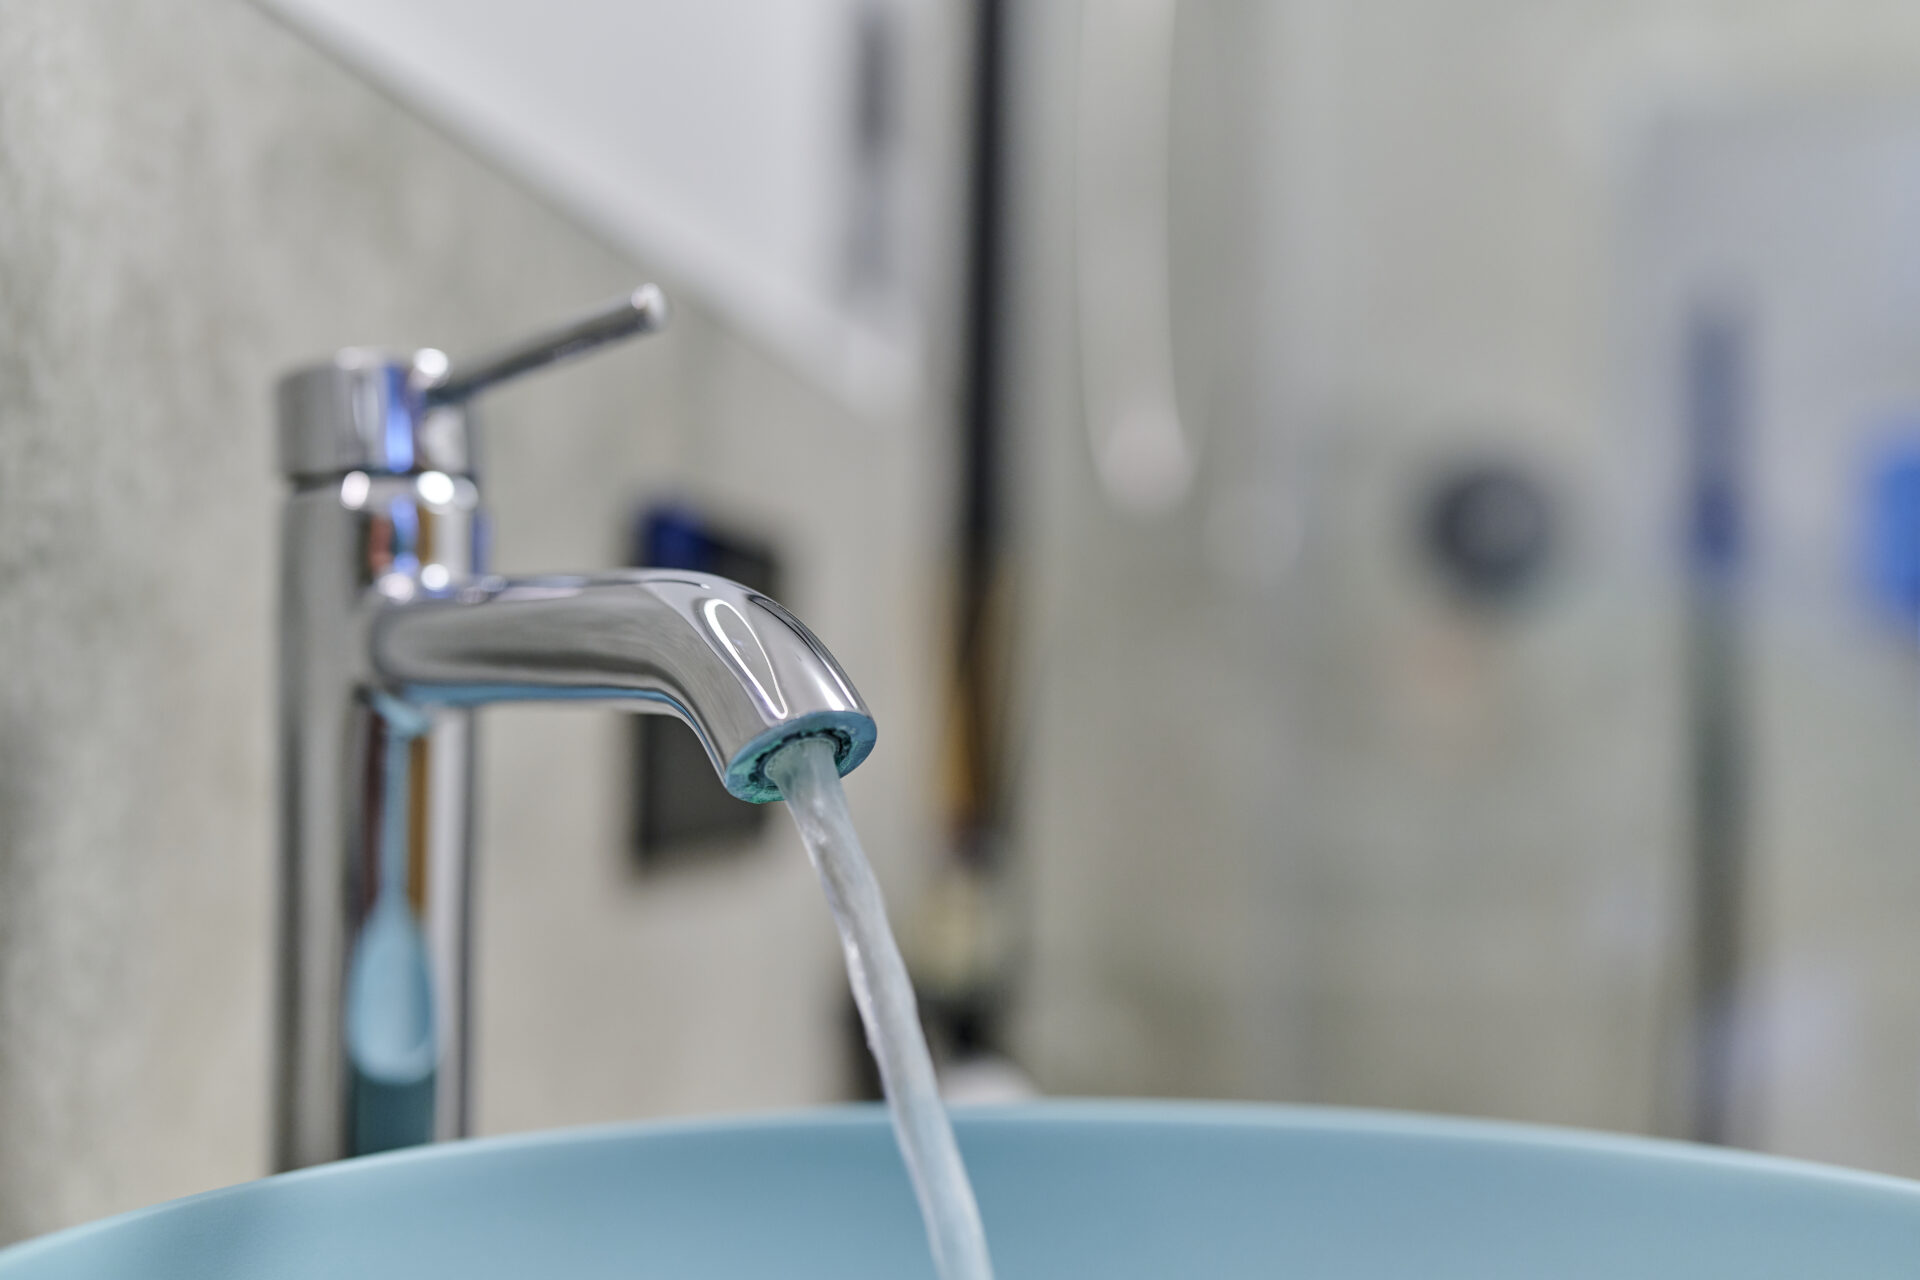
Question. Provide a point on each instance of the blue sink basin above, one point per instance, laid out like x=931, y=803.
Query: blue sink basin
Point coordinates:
x=1069, y=1191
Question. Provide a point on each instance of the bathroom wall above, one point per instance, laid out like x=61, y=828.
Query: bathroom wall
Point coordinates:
x=1152, y=746
x=1451, y=875
x=191, y=200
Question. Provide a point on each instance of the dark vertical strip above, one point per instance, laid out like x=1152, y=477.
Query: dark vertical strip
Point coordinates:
x=982, y=499
x=961, y=1013
x=1717, y=426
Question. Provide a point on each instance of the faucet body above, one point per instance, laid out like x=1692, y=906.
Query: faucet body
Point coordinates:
x=392, y=635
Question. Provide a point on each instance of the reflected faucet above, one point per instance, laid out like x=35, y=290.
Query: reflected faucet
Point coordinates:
x=392, y=634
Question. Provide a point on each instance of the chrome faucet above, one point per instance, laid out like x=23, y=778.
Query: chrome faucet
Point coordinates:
x=392, y=632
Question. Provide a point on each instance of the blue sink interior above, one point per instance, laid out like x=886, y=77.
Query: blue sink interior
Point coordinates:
x=1068, y=1190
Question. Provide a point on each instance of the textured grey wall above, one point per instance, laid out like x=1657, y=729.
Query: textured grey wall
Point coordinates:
x=190, y=200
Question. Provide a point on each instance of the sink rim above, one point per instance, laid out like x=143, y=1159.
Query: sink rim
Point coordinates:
x=1090, y=1112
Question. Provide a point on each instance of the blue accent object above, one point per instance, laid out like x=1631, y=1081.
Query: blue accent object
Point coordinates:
x=404, y=408
x=1716, y=428
x=672, y=536
x=404, y=518
x=390, y=1000
x=1117, y=1191
x=1891, y=544
x=392, y=1055
x=853, y=737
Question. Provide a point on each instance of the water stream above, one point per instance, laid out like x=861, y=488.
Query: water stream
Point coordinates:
x=806, y=776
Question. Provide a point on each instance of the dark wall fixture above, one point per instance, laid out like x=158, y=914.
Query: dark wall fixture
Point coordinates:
x=1488, y=530
x=964, y=997
x=680, y=807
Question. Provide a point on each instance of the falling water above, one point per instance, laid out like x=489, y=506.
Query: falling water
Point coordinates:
x=805, y=774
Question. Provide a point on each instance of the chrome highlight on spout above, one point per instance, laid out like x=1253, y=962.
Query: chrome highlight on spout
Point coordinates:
x=385, y=602
x=738, y=668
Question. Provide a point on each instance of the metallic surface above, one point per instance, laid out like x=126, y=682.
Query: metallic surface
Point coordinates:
x=342, y=543
x=366, y=410
x=374, y=411
x=640, y=312
x=742, y=671
x=383, y=595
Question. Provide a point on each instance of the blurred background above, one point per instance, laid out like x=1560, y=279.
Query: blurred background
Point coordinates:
x=1382, y=537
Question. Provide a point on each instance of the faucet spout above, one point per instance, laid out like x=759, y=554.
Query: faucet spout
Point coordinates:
x=745, y=674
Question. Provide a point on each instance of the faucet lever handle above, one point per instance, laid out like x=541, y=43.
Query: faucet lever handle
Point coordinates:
x=642, y=311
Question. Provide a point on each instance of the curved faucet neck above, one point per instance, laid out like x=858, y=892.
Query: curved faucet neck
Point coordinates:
x=744, y=673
